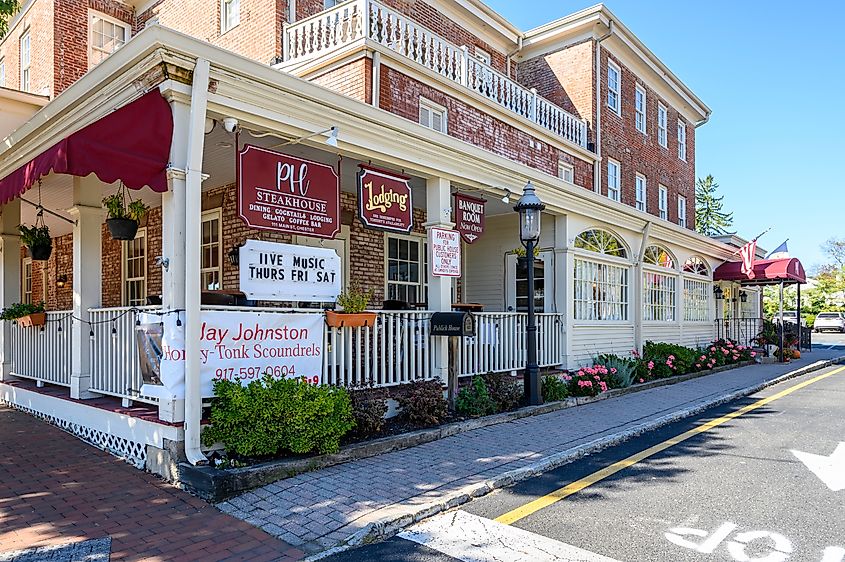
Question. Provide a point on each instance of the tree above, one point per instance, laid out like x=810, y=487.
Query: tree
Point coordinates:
x=8, y=8
x=835, y=250
x=710, y=220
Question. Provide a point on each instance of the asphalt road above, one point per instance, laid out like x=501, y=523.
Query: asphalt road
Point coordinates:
x=737, y=491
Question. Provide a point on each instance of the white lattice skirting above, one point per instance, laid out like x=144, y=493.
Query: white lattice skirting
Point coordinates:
x=121, y=435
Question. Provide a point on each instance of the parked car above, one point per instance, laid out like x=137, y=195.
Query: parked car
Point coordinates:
x=789, y=317
x=830, y=321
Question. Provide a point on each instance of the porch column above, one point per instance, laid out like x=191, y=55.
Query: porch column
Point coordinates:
x=564, y=284
x=87, y=211
x=637, y=287
x=438, y=198
x=10, y=276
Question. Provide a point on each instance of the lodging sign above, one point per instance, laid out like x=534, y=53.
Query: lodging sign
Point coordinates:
x=284, y=272
x=287, y=194
x=469, y=217
x=445, y=252
x=384, y=200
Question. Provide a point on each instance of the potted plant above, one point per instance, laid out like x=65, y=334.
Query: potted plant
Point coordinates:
x=353, y=303
x=123, y=219
x=37, y=240
x=25, y=314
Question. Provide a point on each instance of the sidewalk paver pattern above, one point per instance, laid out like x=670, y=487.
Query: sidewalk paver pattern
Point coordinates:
x=55, y=490
x=320, y=509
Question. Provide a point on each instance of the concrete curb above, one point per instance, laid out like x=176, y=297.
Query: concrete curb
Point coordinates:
x=389, y=526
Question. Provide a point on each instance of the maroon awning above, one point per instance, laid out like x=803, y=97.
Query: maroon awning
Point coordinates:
x=766, y=272
x=131, y=144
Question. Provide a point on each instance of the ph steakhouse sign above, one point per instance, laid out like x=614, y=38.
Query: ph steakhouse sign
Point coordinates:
x=384, y=200
x=469, y=217
x=287, y=194
x=285, y=272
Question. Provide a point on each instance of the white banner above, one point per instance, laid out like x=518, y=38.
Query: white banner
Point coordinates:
x=270, y=271
x=241, y=346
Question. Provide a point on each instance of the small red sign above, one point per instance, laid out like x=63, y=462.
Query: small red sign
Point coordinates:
x=469, y=217
x=287, y=194
x=384, y=200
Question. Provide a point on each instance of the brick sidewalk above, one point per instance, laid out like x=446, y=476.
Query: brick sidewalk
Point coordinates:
x=320, y=509
x=57, y=490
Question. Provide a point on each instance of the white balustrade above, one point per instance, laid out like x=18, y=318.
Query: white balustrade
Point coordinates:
x=350, y=21
x=44, y=352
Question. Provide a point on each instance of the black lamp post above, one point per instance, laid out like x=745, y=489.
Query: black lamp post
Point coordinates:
x=530, y=208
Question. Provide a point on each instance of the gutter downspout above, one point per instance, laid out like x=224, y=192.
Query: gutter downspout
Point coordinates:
x=193, y=210
x=511, y=54
x=638, y=287
x=597, y=163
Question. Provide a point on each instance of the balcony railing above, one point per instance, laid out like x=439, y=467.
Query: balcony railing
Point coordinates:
x=354, y=20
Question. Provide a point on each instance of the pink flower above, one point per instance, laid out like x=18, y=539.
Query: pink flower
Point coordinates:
x=753, y=354
x=613, y=370
x=712, y=349
x=698, y=365
x=703, y=358
x=603, y=386
x=671, y=358
x=580, y=373
x=641, y=380
x=598, y=378
x=567, y=377
x=650, y=365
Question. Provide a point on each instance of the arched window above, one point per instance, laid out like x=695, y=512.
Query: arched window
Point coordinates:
x=601, y=242
x=656, y=255
x=696, y=266
x=658, y=288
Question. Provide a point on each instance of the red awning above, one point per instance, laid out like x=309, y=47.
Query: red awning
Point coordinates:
x=131, y=144
x=766, y=272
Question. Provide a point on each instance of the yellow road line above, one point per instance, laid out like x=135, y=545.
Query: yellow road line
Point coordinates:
x=523, y=511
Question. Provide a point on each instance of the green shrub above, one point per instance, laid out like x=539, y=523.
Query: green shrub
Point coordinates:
x=20, y=309
x=554, y=389
x=666, y=360
x=354, y=300
x=423, y=404
x=505, y=391
x=474, y=400
x=269, y=416
x=369, y=405
x=623, y=370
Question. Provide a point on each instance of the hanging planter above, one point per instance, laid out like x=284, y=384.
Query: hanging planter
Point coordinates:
x=123, y=220
x=37, y=239
x=354, y=303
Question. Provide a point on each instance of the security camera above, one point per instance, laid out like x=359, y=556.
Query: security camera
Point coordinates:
x=230, y=124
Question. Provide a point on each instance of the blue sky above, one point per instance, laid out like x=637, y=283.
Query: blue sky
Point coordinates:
x=773, y=73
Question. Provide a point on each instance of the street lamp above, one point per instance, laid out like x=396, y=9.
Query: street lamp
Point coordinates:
x=530, y=208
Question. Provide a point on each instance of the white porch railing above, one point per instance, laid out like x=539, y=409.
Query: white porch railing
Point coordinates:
x=499, y=343
x=115, y=368
x=44, y=352
x=354, y=20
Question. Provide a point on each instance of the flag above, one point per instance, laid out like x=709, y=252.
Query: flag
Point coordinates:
x=780, y=253
x=747, y=253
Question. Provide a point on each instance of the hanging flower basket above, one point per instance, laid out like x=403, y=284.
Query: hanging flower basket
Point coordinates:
x=350, y=320
x=41, y=251
x=122, y=229
x=32, y=320
x=37, y=239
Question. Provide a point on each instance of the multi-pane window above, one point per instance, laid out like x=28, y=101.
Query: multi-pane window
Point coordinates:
x=614, y=182
x=613, y=75
x=135, y=270
x=663, y=202
x=662, y=126
x=696, y=300
x=639, y=109
x=327, y=4
x=641, y=192
x=682, y=140
x=433, y=116
x=522, y=287
x=26, y=57
x=406, y=269
x=565, y=171
x=210, y=252
x=107, y=36
x=483, y=56
x=682, y=211
x=696, y=266
x=658, y=287
x=26, y=281
x=2, y=72
x=230, y=14
x=601, y=291
x=601, y=242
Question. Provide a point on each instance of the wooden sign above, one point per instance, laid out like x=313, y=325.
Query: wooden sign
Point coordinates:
x=469, y=217
x=287, y=194
x=384, y=200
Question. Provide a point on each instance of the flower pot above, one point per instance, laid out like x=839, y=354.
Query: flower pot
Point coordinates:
x=122, y=229
x=347, y=320
x=30, y=320
x=41, y=251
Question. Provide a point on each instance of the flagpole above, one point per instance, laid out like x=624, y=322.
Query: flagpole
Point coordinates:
x=754, y=240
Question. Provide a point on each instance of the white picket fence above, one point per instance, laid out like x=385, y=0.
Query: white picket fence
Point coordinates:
x=355, y=20
x=43, y=353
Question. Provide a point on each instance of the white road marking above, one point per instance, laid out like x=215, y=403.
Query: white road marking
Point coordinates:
x=782, y=546
x=471, y=538
x=830, y=470
x=834, y=554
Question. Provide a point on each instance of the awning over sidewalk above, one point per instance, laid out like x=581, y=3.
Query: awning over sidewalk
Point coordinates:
x=131, y=145
x=766, y=272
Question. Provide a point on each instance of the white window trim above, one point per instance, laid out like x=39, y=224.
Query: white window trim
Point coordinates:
x=422, y=258
x=660, y=300
x=27, y=262
x=663, y=201
x=662, y=130
x=618, y=187
x=562, y=168
x=91, y=15
x=483, y=56
x=225, y=25
x=640, y=113
x=682, y=140
x=618, y=90
x=704, y=303
x=641, y=204
x=682, y=211
x=211, y=214
x=2, y=72
x=434, y=107
x=604, y=260
x=123, y=273
x=25, y=85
